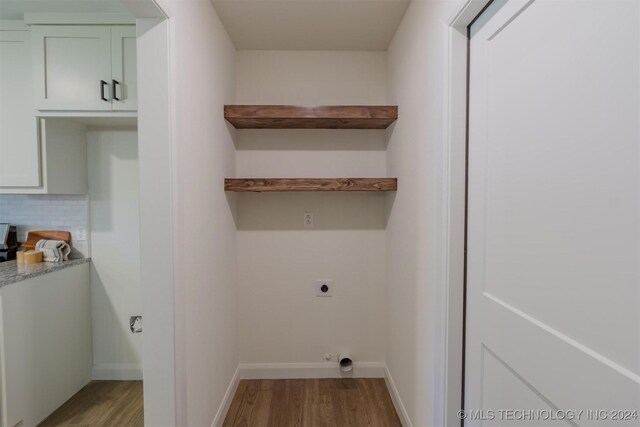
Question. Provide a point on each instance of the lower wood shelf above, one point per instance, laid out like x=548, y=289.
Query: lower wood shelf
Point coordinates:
x=318, y=117
x=310, y=184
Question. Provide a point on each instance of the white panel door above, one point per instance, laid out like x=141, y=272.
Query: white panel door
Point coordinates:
x=19, y=148
x=553, y=320
x=124, y=67
x=73, y=67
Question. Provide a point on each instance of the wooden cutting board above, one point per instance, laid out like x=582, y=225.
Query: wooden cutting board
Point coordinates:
x=35, y=235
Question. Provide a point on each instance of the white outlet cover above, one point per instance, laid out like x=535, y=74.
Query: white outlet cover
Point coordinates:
x=322, y=282
x=81, y=234
x=308, y=220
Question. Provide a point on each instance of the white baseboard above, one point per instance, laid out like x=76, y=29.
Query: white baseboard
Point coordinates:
x=252, y=371
x=397, y=401
x=114, y=371
x=226, y=401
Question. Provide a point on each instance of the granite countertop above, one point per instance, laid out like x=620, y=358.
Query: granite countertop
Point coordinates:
x=12, y=272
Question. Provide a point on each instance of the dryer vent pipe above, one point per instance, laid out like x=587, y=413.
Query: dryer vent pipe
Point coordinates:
x=346, y=364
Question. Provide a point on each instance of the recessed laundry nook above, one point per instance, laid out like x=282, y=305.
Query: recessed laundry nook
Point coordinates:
x=243, y=213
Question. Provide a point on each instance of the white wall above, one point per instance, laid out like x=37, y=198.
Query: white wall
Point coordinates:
x=204, y=231
x=281, y=319
x=116, y=293
x=415, y=262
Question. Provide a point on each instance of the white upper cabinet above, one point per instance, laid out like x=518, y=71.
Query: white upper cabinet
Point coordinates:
x=123, y=68
x=19, y=145
x=59, y=162
x=84, y=68
x=72, y=67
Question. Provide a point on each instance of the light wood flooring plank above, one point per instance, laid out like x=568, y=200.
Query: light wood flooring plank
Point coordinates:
x=312, y=403
x=102, y=403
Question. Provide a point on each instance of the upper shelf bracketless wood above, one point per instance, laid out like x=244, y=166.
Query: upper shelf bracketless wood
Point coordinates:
x=310, y=184
x=319, y=117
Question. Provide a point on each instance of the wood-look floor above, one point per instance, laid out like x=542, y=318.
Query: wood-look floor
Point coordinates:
x=357, y=402
x=102, y=403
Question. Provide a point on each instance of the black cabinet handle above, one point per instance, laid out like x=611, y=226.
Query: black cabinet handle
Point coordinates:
x=115, y=93
x=102, y=85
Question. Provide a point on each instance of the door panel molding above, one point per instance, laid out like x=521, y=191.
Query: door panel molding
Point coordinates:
x=566, y=339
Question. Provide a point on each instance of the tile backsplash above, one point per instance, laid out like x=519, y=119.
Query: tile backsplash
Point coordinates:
x=48, y=212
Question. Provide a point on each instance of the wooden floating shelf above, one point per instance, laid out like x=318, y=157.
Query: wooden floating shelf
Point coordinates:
x=319, y=117
x=310, y=184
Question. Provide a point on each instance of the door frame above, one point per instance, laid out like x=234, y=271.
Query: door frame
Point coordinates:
x=454, y=207
x=454, y=212
x=156, y=141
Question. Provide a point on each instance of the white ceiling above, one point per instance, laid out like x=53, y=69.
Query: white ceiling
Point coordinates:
x=15, y=9
x=311, y=24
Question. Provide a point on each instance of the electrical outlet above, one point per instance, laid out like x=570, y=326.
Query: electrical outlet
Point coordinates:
x=324, y=288
x=81, y=234
x=308, y=220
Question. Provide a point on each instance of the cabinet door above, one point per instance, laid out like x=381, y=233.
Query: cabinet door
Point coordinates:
x=19, y=147
x=124, y=69
x=72, y=67
x=45, y=343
